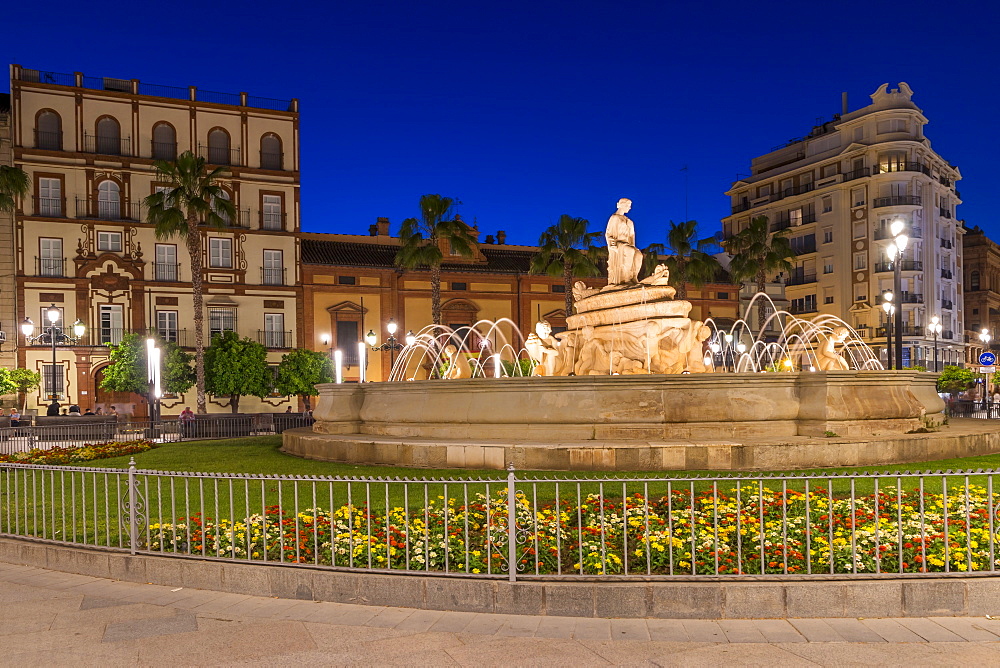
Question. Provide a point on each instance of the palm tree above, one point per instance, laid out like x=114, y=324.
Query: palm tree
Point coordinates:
x=689, y=261
x=13, y=184
x=758, y=254
x=192, y=196
x=567, y=249
x=422, y=241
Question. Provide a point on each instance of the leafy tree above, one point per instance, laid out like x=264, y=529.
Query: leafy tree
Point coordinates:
x=13, y=184
x=758, y=254
x=193, y=195
x=300, y=371
x=7, y=385
x=178, y=373
x=954, y=379
x=25, y=380
x=126, y=370
x=567, y=249
x=236, y=367
x=422, y=241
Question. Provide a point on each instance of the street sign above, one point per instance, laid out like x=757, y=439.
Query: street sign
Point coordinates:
x=987, y=359
x=987, y=369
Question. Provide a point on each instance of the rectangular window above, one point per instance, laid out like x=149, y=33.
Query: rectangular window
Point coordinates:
x=50, y=261
x=220, y=253
x=221, y=319
x=857, y=196
x=274, y=331
x=271, y=216
x=53, y=378
x=347, y=340
x=795, y=217
x=44, y=322
x=165, y=266
x=827, y=204
x=860, y=261
x=559, y=288
x=828, y=236
x=828, y=265
x=166, y=325
x=860, y=230
x=891, y=125
x=50, y=197
x=347, y=280
x=459, y=286
x=112, y=324
x=828, y=299
x=273, y=271
x=109, y=241
x=722, y=295
x=859, y=134
x=828, y=171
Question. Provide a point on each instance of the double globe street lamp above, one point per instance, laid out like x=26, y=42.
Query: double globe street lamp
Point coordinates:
x=935, y=328
x=55, y=335
x=895, y=254
x=391, y=344
x=889, y=309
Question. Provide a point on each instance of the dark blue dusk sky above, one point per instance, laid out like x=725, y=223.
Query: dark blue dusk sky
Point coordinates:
x=525, y=111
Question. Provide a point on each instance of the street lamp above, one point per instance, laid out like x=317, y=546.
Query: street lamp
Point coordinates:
x=935, y=329
x=55, y=335
x=889, y=309
x=391, y=344
x=153, y=377
x=895, y=253
x=729, y=346
x=985, y=337
x=410, y=338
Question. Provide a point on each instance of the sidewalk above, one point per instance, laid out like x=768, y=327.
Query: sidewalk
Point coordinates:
x=53, y=618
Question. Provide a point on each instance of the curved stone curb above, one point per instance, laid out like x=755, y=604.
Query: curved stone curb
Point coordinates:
x=937, y=597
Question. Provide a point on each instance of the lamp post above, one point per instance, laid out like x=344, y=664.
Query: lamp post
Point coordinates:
x=985, y=337
x=889, y=309
x=391, y=344
x=731, y=366
x=56, y=335
x=895, y=252
x=153, y=376
x=935, y=329
x=715, y=348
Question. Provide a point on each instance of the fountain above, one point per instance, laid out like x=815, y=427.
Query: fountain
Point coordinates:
x=632, y=384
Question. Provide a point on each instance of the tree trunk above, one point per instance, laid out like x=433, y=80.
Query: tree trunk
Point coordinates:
x=568, y=281
x=234, y=403
x=761, y=303
x=436, y=295
x=197, y=293
x=681, y=287
x=306, y=402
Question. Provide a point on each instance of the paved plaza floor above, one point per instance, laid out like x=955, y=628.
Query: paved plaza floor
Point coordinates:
x=51, y=618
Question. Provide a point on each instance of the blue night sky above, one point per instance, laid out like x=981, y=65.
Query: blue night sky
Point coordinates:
x=525, y=111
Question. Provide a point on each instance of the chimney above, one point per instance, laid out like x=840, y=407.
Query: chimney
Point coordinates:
x=373, y=230
x=489, y=239
x=843, y=103
x=383, y=226
x=501, y=237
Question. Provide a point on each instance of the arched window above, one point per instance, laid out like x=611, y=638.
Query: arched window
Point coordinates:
x=974, y=281
x=109, y=136
x=218, y=147
x=164, y=142
x=48, y=133
x=109, y=205
x=270, y=152
x=222, y=214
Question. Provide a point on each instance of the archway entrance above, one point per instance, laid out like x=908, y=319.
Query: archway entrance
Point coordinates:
x=126, y=403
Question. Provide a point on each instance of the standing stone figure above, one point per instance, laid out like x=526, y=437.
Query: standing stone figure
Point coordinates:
x=624, y=259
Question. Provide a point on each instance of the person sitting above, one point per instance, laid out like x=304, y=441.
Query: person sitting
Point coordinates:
x=74, y=411
x=15, y=418
x=112, y=411
x=65, y=412
x=89, y=412
x=289, y=410
x=1, y=412
x=53, y=409
x=100, y=411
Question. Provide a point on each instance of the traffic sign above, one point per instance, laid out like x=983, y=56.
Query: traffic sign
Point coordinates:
x=987, y=359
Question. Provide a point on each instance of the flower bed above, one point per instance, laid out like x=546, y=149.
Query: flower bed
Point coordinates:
x=81, y=453
x=727, y=533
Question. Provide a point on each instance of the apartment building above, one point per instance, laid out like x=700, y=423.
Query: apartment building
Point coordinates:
x=84, y=244
x=351, y=286
x=835, y=192
x=982, y=291
x=8, y=305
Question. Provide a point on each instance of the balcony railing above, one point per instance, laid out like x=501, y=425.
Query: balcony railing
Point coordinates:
x=906, y=265
x=945, y=181
x=786, y=223
x=806, y=308
x=804, y=248
x=50, y=266
x=163, y=150
x=48, y=141
x=272, y=275
x=882, y=233
x=857, y=174
x=107, y=145
x=889, y=167
x=896, y=200
x=272, y=160
x=242, y=219
x=910, y=298
x=271, y=220
x=91, y=208
x=181, y=337
x=166, y=271
x=945, y=213
x=908, y=330
x=271, y=339
x=946, y=243
x=219, y=155
x=52, y=207
x=800, y=279
x=947, y=304
x=102, y=336
x=946, y=273
x=947, y=334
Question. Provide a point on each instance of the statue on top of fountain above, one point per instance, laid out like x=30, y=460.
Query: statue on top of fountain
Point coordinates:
x=624, y=259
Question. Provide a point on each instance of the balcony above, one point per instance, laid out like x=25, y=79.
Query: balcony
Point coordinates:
x=272, y=220
x=803, y=248
x=907, y=265
x=805, y=308
x=946, y=243
x=242, y=219
x=890, y=167
x=49, y=141
x=800, y=278
x=50, y=266
x=896, y=200
x=858, y=174
x=163, y=150
x=181, y=337
x=121, y=146
x=219, y=155
x=99, y=209
x=908, y=330
x=883, y=233
x=946, y=273
x=103, y=336
x=945, y=213
x=168, y=272
x=945, y=181
x=272, y=275
x=793, y=222
x=272, y=160
x=272, y=339
x=910, y=298
x=50, y=207
x=947, y=304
